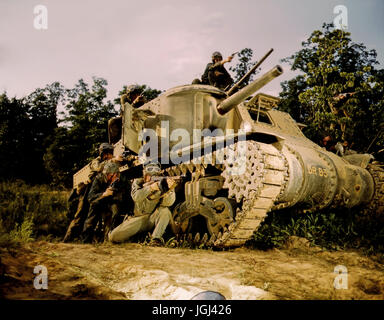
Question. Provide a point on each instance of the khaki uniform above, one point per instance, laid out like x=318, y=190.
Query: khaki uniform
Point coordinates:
x=81, y=204
x=220, y=80
x=151, y=211
x=125, y=98
x=101, y=209
x=115, y=124
x=96, y=166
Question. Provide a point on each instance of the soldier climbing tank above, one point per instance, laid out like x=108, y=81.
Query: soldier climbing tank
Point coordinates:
x=242, y=158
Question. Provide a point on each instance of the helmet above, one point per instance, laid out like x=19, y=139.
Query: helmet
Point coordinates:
x=217, y=54
x=134, y=88
x=152, y=168
x=105, y=147
x=110, y=167
x=208, y=295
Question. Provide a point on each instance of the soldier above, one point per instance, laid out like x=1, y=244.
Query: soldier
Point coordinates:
x=215, y=74
x=152, y=199
x=78, y=199
x=97, y=164
x=133, y=96
x=344, y=149
x=103, y=206
x=135, y=99
x=328, y=143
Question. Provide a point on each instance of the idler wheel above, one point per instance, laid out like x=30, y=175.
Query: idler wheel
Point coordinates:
x=184, y=225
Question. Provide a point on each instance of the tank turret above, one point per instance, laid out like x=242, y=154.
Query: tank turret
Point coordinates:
x=188, y=107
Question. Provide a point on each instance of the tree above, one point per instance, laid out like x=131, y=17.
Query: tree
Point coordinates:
x=339, y=91
x=27, y=126
x=14, y=138
x=243, y=66
x=42, y=109
x=84, y=128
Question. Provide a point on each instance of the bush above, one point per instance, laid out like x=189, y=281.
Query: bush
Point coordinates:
x=27, y=212
x=329, y=228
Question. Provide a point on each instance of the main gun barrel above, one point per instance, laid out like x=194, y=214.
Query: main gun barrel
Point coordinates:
x=232, y=101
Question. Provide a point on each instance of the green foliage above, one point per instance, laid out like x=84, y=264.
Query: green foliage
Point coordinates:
x=26, y=129
x=85, y=127
x=5, y=239
x=24, y=232
x=38, y=147
x=330, y=228
x=332, y=65
x=28, y=212
x=147, y=92
x=14, y=139
x=243, y=66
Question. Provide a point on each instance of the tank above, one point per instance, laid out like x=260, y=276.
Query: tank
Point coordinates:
x=242, y=158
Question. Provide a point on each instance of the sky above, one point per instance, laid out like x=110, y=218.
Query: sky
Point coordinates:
x=162, y=43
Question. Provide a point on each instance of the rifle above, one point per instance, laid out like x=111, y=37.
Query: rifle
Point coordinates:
x=128, y=156
x=248, y=74
x=163, y=181
x=115, y=185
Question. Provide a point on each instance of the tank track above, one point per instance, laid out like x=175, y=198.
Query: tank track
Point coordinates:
x=376, y=205
x=255, y=179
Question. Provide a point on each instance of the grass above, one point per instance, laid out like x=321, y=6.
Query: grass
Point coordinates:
x=331, y=228
x=31, y=212
x=28, y=212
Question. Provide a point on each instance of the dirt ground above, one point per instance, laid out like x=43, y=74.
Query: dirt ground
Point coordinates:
x=135, y=271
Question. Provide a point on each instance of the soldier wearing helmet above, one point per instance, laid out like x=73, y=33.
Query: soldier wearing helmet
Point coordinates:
x=97, y=164
x=78, y=199
x=103, y=206
x=133, y=96
x=152, y=197
x=215, y=73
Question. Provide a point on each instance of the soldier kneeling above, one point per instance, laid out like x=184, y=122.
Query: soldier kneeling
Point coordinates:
x=152, y=197
x=78, y=201
x=103, y=206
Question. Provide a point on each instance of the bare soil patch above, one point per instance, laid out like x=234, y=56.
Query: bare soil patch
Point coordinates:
x=135, y=271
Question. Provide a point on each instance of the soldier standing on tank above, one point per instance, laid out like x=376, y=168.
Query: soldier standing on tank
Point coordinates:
x=152, y=199
x=103, y=205
x=78, y=199
x=215, y=73
x=134, y=97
